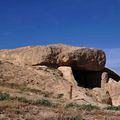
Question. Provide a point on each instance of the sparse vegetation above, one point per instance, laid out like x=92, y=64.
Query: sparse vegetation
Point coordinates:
x=43, y=102
x=82, y=107
x=72, y=117
x=72, y=105
x=4, y=96
x=113, y=108
x=24, y=88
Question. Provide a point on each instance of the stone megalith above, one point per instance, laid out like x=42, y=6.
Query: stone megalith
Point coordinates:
x=57, y=55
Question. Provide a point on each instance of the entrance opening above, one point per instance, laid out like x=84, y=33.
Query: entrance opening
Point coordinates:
x=87, y=79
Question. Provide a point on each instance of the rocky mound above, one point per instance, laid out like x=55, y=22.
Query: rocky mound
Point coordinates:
x=77, y=74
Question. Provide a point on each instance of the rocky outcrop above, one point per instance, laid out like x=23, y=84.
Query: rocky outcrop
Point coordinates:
x=57, y=55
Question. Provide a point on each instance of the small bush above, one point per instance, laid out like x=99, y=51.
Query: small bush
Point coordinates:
x=113, y=108
x=4, y=96
x=83, y=107
x=72, y=105
x=73, y=118
x=43, y=102
x=0, y=62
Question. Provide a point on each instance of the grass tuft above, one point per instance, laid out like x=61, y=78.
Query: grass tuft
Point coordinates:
x=82, y=107
x=43, y=102
x=4, y=96
x=113, y=108
x=72, y=105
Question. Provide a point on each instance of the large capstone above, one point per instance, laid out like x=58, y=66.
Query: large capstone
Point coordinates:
x=57, y=55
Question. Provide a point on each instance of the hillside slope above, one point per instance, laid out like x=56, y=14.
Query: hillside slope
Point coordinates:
x=53, y=92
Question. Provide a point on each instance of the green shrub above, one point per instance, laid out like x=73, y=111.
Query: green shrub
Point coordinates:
x=4, y=96
x=73, y=118
x=113, y=108
x=72, y=105
x=43, y=102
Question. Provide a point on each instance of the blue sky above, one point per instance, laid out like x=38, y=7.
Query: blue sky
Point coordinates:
x=90, y=23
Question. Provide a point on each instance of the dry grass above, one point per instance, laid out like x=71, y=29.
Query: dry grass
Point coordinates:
x=7, y=89
x=9, y=104
x=39, y=111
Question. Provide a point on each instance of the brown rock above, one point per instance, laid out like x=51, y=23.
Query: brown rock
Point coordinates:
x=57, y=55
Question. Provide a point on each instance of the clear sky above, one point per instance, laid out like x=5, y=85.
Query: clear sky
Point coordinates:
x=90, y=23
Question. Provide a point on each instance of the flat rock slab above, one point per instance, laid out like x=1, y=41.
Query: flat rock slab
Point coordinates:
x=57, y=55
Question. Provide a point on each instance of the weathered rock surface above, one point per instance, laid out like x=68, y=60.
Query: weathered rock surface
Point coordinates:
x=68, y=74
x=110, y=81
x=102, y=96
x=113, y=87
x=104, y=79
x=56, y=55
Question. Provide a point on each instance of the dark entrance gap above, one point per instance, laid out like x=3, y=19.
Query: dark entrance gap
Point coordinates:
x=87, y=79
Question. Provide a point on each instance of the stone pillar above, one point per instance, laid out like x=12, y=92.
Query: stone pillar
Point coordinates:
x=104, y=79
x=68, y=74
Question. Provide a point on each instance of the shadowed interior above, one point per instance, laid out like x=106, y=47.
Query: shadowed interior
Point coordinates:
x=87, y=79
